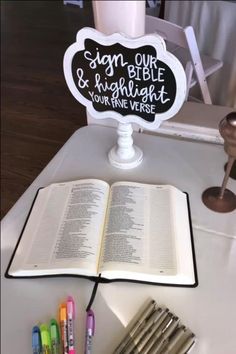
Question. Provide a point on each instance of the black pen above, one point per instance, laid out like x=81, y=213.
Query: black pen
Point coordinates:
x=157, y=342
x=140, y=323
x=159, y=313
x=187, y=345
x=157, y=328
x=142, y=337
x=173, y=341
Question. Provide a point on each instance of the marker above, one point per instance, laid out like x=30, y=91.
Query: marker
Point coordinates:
x=36, y=340
x=63, y=327
x=55, y=336
x=70, y=322
x=90, y=330
x=45, y=339
x=142, y=319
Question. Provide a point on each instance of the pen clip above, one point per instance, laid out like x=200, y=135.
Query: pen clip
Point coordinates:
x=90, y=321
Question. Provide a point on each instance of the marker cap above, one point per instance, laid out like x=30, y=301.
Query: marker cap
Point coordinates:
x=90, y=322
x=45, y=336
x=63, y=312
x=54, y=330
x=36, y=339
x=70, y=305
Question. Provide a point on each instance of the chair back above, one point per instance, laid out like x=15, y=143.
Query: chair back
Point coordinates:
x=184, y=47
x=167, y=30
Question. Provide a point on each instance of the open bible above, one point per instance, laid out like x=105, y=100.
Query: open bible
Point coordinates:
x=129, y=231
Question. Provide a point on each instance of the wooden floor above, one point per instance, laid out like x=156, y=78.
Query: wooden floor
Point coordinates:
x=38, y=111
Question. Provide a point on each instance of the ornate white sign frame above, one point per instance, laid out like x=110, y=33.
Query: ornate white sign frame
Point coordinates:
x=125, y=155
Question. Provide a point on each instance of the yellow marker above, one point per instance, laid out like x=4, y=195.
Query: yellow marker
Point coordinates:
x=45, y=339
x=63, y=326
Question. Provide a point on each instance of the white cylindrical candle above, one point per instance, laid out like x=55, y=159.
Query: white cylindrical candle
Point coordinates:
x=120, y=16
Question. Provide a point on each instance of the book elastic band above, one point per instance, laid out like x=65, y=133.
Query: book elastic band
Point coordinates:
x=93, y=293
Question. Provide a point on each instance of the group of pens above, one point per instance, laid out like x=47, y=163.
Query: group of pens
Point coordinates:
x=156, y=331
x=58, y=337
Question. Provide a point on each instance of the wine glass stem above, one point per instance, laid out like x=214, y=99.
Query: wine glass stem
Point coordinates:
x=226, y=177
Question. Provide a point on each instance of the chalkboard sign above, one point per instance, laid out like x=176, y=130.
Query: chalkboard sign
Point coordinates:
x=130, y=80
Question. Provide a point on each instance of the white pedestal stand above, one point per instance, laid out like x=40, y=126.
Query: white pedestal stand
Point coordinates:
x=125, y=155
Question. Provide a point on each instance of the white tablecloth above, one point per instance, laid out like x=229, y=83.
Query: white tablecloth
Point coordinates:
x=208, y=310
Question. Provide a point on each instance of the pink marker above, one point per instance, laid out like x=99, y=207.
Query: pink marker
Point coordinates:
x=70, y=319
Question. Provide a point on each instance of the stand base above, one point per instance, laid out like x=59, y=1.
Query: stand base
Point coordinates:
x=125, y=164
x=210, y=198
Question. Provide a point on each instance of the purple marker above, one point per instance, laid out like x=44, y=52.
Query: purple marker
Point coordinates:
x=90, y=329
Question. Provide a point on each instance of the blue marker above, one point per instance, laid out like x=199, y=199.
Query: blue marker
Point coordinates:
x=36, y=340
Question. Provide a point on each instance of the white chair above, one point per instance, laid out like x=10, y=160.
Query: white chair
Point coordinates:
x=182, y=43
